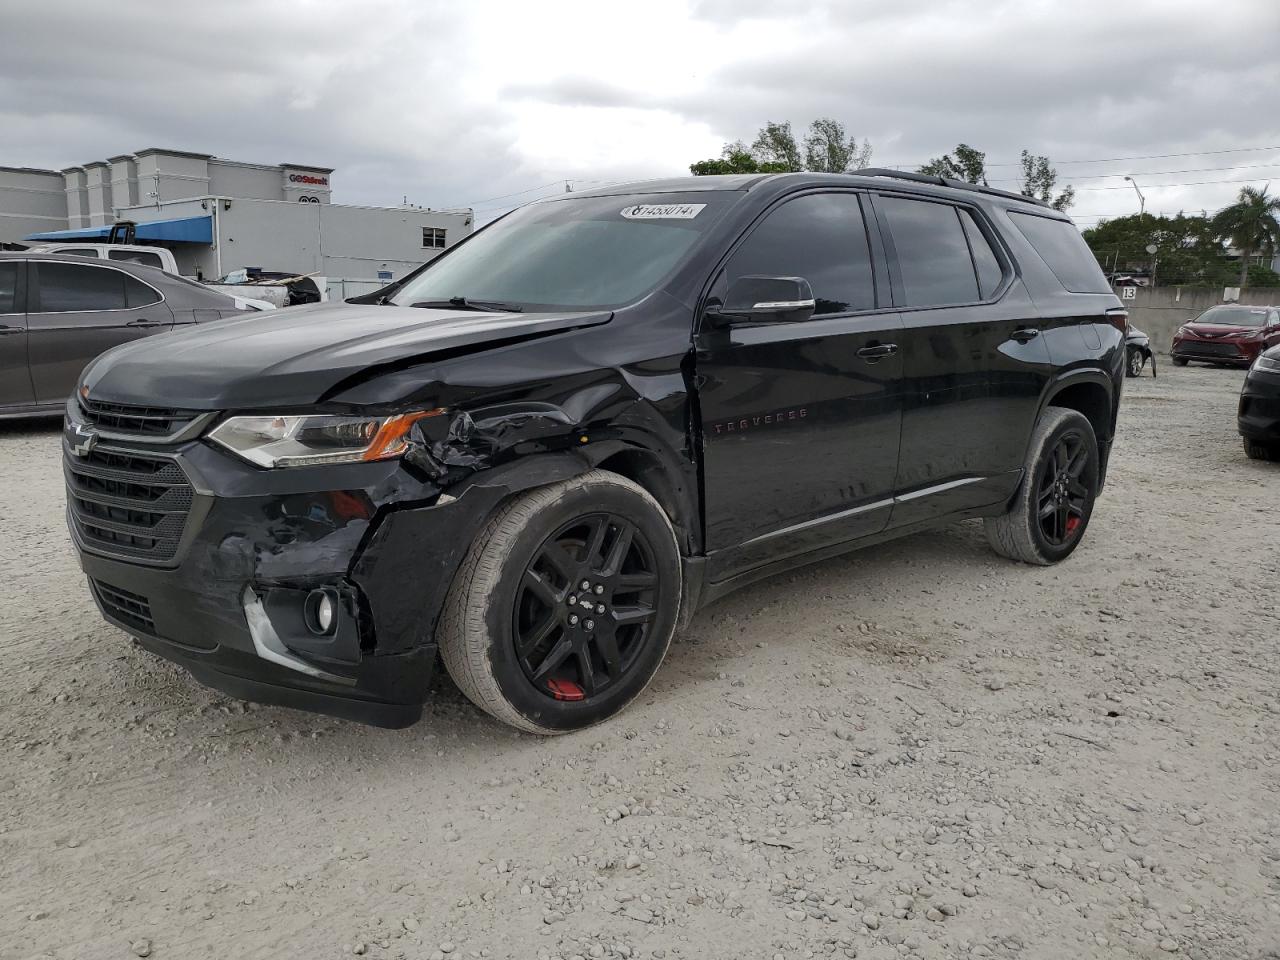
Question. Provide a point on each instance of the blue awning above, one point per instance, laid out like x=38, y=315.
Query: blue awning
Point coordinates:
x=183, y=230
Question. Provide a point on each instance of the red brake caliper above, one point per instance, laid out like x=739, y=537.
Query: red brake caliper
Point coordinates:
x=565, y=690
x=1072, y=524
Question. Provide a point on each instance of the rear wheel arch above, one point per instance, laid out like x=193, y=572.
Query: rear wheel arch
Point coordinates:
x=1090, y=395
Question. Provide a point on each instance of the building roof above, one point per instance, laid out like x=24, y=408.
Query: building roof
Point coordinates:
x=307, y=166
x=55, y=173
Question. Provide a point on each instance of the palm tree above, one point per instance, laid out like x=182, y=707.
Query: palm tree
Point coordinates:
x=1251, y=225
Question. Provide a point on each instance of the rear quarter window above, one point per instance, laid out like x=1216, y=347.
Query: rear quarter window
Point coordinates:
x=1064, y=251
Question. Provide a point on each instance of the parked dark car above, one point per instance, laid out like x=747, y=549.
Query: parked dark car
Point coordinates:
x=1259, y=418
x=584, y=422
x=1138, y=353
x=58, y=312
x=1227, y=335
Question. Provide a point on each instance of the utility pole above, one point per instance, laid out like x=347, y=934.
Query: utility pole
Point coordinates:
x=1142, y=201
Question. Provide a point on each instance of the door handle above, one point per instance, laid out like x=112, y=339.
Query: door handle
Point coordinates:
x=6, y=329
x=1025, y=334
x=876, y=351
x=145, y=323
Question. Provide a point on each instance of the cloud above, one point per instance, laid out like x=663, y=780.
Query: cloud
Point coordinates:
x=448, y=104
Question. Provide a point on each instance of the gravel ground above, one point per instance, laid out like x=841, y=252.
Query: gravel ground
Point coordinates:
x=917, y=750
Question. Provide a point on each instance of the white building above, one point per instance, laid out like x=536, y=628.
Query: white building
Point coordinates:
x=221, y=215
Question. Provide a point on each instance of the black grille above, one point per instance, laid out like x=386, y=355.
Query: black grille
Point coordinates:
x=138, y=421
x=130, y=505
x=128, y=608
x=1201, y=349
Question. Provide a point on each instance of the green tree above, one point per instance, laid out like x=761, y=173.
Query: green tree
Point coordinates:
x=735, y=158
x=968, y=164
x=1038, y=180
x=1188, y=251
x=828, y=149
x=775, y=145
x=1251, y=226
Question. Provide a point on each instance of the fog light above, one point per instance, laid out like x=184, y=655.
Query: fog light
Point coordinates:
x=321, y=611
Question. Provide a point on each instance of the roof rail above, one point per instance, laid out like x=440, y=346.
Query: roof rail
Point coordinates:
x=945, y=182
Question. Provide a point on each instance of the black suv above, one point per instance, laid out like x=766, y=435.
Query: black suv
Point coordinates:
x=548, y=448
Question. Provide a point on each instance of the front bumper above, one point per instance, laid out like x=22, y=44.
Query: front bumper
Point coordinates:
x=228, y=604
x=1238, y=352
x=1259, y=413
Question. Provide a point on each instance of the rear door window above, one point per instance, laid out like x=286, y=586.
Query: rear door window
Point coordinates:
x=985, y=262
x=821, y=237
x=9, y=287
x=934, y=262
x=136, y=256
x=72, y=288
x=1064, y=251
x=138, y=294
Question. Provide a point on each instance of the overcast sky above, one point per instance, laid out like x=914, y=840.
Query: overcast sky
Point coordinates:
x=453, y=103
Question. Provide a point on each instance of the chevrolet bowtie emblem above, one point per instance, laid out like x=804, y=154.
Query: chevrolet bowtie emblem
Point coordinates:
x=83, y=439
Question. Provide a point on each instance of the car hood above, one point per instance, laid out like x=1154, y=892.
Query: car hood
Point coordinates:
x=1218, y=329
x=298, y=355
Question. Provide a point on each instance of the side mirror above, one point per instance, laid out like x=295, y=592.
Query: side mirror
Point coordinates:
x=769, y=300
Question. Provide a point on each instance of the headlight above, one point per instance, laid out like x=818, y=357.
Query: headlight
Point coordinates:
x=310, y=440
x=1268, y=364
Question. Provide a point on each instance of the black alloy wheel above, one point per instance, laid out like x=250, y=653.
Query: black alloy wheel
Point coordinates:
x=565, y=605
x=1062, y=499
x=585, y=606
x=1050, y=511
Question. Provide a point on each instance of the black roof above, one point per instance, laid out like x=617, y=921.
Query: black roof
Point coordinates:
x=868, y=177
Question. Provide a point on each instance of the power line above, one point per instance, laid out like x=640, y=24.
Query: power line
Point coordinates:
x=1162, y=173
x=1149, y=156
x=1157, y=186
x=518, y=193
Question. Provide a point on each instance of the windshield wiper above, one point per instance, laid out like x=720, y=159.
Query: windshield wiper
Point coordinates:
x=462, y=303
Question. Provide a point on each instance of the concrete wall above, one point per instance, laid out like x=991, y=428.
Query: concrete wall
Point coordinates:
x=1158, y=313
x=77, y=197
x=171, y=175
x=249, y=180
x=31, y=201
x=124, y=181
x=358, y=242
x=97, y=182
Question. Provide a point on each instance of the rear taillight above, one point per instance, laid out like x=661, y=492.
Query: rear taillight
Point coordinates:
x=1118, y=317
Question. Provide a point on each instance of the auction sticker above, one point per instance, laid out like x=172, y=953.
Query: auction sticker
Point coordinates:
x=662, y=211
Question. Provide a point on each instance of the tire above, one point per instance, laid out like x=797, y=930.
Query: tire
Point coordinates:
x=1178, y=361
x=1261, y=451
x=525, y=643
x=1061, y=475
x=1134, y=363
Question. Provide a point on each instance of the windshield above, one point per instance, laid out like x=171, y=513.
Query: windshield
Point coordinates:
x=588, y=253
x=1235, y=316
